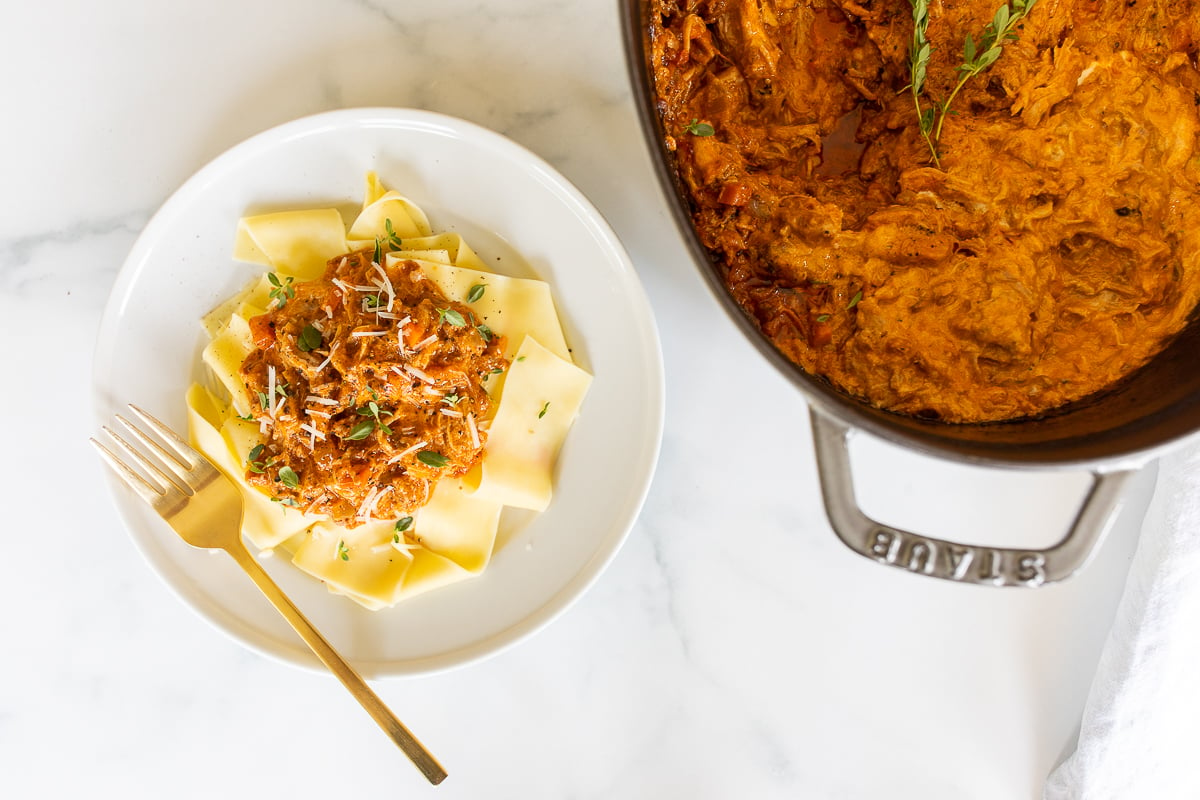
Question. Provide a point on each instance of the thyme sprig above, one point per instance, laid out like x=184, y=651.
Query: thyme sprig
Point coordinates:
x=372, y=423
x=978, y=56
x=918, y=66
x=283, y=290
x=391, y=240
x=255, y=461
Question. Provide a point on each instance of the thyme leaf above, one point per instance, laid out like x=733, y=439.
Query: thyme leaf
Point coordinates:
x=309, y=339
x=361, y=431
x=432, y=459
x=451, y=316
x=289, y=478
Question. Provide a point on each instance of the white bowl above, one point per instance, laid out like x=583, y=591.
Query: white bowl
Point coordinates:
x=519, y=214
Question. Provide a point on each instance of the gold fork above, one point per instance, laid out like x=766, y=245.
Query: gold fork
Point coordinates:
x=205, y=509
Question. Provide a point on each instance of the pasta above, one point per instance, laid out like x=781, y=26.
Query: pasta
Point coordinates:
x=454, y=403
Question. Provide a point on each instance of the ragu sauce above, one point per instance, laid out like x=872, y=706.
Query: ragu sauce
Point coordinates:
x=1040, y=249
x=372, y=383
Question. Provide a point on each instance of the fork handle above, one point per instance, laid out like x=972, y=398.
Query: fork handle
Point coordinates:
x=350, y=678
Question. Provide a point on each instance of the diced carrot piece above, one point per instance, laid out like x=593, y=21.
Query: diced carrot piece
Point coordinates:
x=262, y=331
x=734, y=194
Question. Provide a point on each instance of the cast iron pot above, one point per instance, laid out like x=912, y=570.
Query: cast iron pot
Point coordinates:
x=1111, y=436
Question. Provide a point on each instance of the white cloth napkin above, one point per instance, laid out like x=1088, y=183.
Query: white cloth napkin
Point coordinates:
x=1140, y=734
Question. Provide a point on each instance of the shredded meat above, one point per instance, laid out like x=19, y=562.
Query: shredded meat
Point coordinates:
x=1054, y=251
x=361, y=421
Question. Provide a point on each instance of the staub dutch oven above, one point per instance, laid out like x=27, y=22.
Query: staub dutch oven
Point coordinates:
x=1111, y=435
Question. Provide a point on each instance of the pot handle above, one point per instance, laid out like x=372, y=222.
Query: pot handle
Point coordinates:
x=938, y=558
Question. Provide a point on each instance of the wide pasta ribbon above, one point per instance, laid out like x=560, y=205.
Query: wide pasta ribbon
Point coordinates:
x=451, y=538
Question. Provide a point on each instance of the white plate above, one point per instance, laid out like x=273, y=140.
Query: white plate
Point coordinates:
x=519, y=214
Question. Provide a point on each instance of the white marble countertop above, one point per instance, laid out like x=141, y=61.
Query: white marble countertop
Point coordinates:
x=733, y=649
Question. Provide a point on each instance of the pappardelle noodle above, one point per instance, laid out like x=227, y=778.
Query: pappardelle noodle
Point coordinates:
x=380, y=396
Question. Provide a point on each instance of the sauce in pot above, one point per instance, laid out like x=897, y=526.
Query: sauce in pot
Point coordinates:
x=1042, y=248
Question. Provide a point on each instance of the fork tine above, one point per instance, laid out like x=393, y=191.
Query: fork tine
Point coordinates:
x=166, y=459
x=182, y=449
x=166, y=484
x=132, y=479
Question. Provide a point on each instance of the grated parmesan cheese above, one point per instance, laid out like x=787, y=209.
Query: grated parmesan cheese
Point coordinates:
x=418, y=374
x=473, y=430
x=320, y=499
x=371, y=500
x=367, y=502
x=421, y=345
x=408, y=452
x=391, y=291
x=313, y=431
x=375, y=502
x=322, y=366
